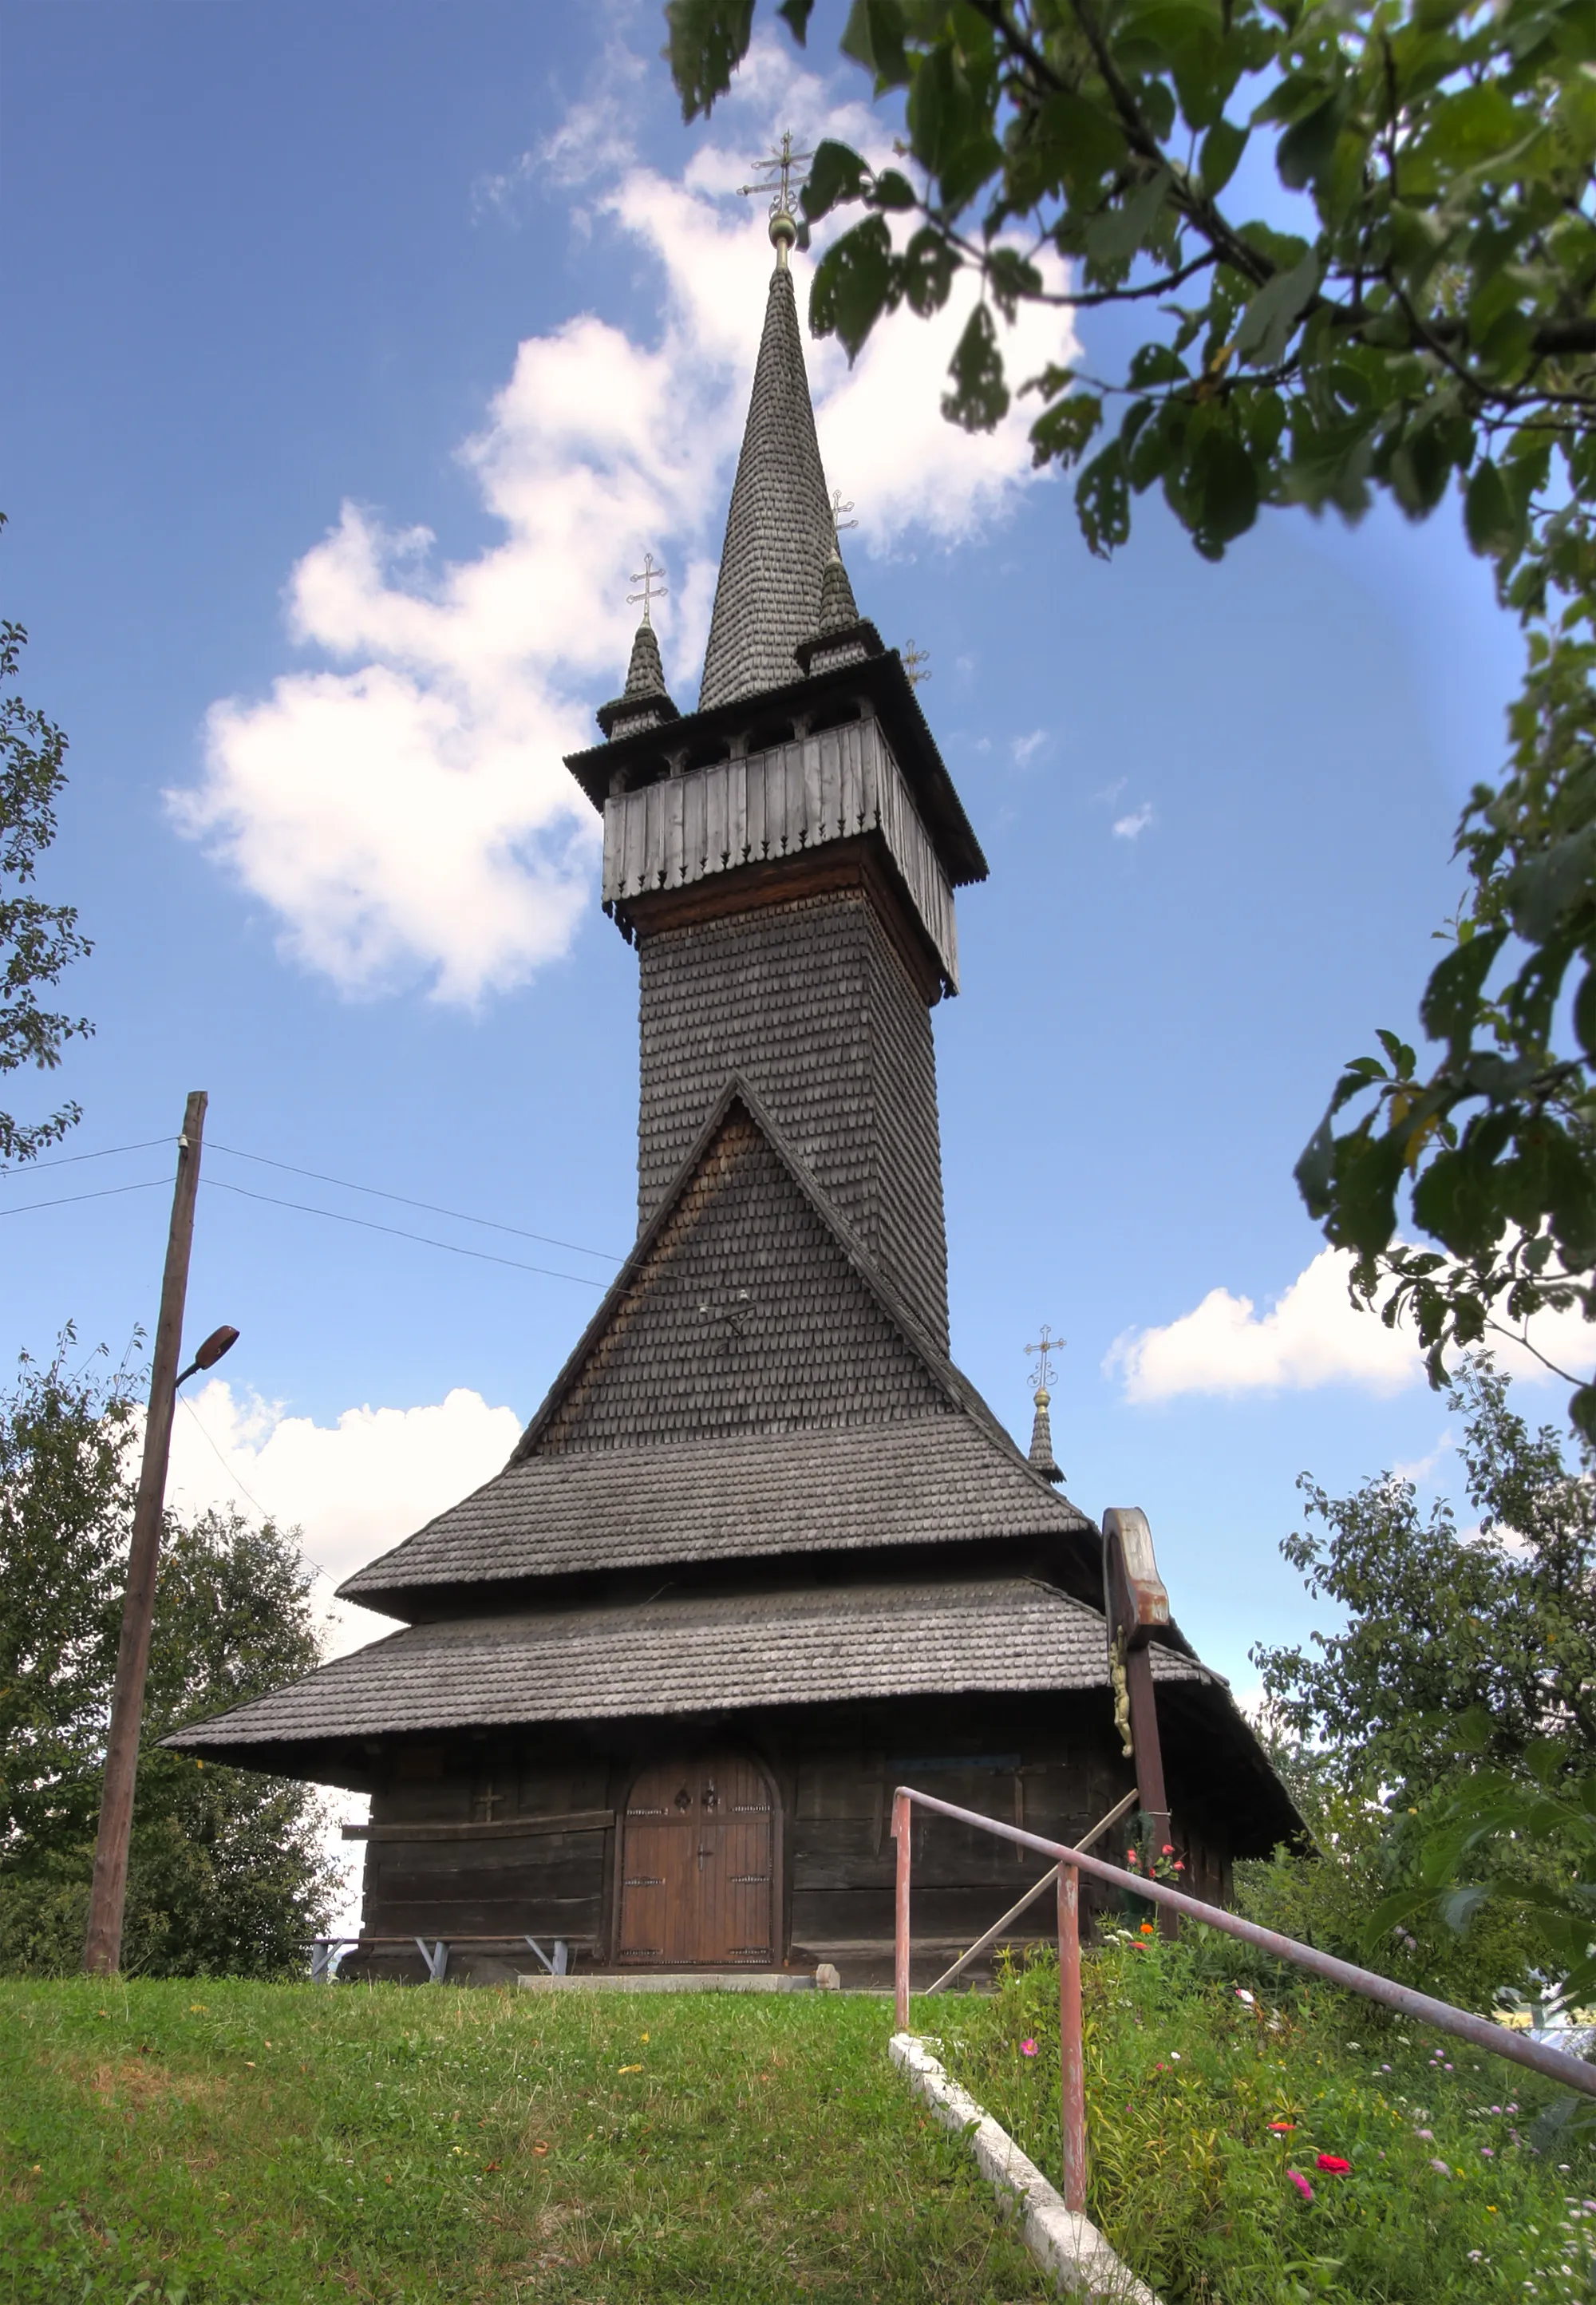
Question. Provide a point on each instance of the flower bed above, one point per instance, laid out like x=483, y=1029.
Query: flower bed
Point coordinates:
x=1256, y=2137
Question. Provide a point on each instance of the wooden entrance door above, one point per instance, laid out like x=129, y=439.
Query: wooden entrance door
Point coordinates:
x=697, y=1867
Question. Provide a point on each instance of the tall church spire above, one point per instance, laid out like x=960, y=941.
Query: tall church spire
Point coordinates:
x=779, y=534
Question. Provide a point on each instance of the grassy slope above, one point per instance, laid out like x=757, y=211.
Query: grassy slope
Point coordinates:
x=226, y=2141
x=1188, y=2179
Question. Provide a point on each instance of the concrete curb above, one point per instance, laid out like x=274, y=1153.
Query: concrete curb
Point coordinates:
x=1068, y=2247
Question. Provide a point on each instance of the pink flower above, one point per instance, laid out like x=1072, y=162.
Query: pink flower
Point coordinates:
x=1301, y=2182
x=1167, y=1849
x=1282, y=2128
x=1028, y=2049
x=1334, y=2165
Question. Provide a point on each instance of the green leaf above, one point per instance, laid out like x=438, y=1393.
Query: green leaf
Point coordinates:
x=836, y=173
x=1223, y=479
x=892, y=190
x=1061, y=433
x=1272, y=314
x=852, y=285
x=927, y=266
x=706, y=42
x=1155, y=364
x=950, y=125
x=1103, y=501
x=1450, y=1008
x=979, y=397
x=795, y=15
x=1222, y=149
x=1305, y=152
x=1115, y=236
x=874, y=38
x=1584, y=1013
x=1075, y=142
x=1493, y=519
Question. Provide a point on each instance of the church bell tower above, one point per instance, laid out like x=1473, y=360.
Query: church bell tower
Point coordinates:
x=785, y=857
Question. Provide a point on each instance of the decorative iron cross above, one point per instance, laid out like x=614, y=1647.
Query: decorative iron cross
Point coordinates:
x=652, y=580
x=917, y=664
x=838, y=509
x=1044, y=1350
x=774, y=175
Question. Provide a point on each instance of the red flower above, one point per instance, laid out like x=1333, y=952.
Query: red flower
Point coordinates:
x=1282, y=2128
x=1333, y=2165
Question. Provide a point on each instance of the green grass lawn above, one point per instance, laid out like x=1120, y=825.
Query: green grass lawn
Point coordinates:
x=226, y=2141
x=220, y=2141
x=1211, y=2077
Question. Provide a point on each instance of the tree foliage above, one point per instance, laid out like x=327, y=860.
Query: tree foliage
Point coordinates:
x=1442, y=1628
x=226, y=1872
x=1426, y=326
x=36, y=940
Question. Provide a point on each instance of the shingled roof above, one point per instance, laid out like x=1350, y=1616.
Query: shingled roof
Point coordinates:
x=779, y=532
x=696, y=1654
x=750, y=1385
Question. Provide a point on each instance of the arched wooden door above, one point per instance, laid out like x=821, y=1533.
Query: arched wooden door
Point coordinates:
x=697, y=1867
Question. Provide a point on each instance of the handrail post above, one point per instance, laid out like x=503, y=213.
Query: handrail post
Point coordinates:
x=900, y=1834
x=1071, y=2074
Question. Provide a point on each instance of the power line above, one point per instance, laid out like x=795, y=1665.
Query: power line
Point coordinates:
x=68, y=1160
x=482, y=1256
x=343, y=1184
x=105, y=1192
x=432, y=1207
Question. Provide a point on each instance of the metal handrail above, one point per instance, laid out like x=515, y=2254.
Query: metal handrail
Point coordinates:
x=1557, y=2064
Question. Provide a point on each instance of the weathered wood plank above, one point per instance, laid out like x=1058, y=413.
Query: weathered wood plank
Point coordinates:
x=510, y=1828
x=674, y=812
x=716, y=855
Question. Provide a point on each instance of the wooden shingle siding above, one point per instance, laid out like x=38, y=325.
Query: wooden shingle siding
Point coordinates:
x=809, y=1002
x=800, y=795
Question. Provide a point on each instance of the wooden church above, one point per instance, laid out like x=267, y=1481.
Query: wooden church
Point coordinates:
x=763, y=1552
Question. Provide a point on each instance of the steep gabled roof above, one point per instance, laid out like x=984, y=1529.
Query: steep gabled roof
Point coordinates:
x=779, y=532
x=750, y=1385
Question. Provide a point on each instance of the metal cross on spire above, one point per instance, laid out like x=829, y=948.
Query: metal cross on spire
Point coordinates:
x=1044, y=1350
x=917, y=664
x=652, y=580
x=774, y=174
x=838, y=510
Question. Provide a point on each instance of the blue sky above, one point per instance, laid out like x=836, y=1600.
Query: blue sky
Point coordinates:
x=273, y=271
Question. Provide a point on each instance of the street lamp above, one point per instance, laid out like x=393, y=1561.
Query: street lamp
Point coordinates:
x=219, y=1341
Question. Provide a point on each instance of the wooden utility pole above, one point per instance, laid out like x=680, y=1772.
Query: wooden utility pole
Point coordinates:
x=102, y=1948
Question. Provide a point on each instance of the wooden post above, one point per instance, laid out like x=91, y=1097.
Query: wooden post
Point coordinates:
x=102, y=1948
x=1136, y=1607
x=1071, y=2070
x=902, y=1827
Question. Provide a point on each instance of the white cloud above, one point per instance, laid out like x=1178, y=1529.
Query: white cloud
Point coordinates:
x=1132, y=826
x=401, y=805
x=1026, y=748
x=1311, y=1335
x=1419, y=1469
x=354, y=1488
